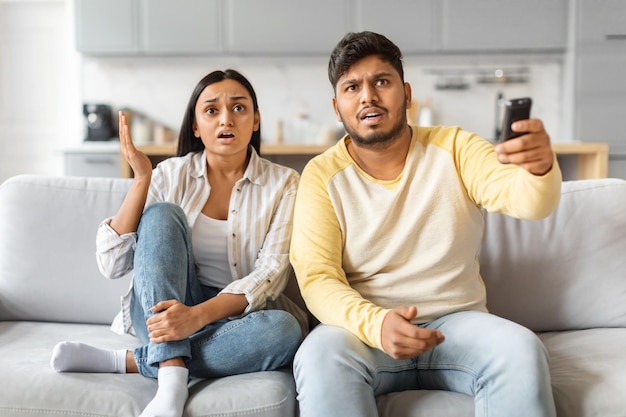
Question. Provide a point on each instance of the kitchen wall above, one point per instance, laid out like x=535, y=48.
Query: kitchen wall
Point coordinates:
x=289, y=87
x=43, y=83
x=39, y=87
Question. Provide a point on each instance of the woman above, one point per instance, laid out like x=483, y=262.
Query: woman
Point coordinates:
x=209, y=250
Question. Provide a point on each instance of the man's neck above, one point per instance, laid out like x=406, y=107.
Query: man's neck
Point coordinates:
x=383, y=161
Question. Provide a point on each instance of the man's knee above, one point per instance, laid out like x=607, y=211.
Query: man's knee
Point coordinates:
x=328, y=349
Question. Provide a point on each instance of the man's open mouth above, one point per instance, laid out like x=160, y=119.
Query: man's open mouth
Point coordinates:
x=371, y=115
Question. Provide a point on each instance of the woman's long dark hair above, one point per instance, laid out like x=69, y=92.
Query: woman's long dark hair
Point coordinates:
x=187, y=142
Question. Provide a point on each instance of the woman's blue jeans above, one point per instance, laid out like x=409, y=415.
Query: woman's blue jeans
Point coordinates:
x=502, y=364
x=164, y=270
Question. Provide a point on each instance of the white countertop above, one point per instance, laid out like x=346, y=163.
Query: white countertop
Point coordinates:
x=105, y=146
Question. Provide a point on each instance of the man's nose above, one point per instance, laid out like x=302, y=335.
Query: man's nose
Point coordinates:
x=368, y=94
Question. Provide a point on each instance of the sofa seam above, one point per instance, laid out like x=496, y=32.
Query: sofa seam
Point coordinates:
x=31, y=181
x=246, y=412
x=250, y=411
x=49, y=411
x=593, y=186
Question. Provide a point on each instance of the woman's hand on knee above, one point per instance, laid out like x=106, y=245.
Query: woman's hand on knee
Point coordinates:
x=173, y=321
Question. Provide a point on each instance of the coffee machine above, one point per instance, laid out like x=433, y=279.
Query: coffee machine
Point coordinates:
x=99, y=121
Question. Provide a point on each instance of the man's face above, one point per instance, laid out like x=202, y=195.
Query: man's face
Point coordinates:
x=371, y=101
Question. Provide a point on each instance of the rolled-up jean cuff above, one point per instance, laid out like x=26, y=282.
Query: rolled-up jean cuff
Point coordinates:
x=149, y=357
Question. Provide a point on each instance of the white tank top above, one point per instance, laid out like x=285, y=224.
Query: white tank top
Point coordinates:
x=209, y=238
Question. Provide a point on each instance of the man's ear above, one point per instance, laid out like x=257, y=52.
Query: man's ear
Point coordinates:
x=407, y=95
x=337, y=115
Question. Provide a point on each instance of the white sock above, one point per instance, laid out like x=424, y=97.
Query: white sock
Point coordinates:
x=171, y=395
x=79, y=357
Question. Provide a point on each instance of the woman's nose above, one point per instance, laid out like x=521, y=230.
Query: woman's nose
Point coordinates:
x=226, y=119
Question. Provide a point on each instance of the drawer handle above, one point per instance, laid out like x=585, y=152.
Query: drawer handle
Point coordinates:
x=99, y=161
x=615, y=37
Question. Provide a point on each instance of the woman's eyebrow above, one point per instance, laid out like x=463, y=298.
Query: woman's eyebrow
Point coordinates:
x=232, y=98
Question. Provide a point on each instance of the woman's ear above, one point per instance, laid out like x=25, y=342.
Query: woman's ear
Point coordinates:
x=194, y=127
x=257, y=120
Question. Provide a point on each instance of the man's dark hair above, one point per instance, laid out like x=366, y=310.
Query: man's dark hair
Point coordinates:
x=358, y=45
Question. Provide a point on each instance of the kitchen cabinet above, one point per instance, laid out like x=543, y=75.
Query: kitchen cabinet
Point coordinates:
x=180, y=27
x=414, y=28
x=148, y=27
x=600, y=90
x=591, y=159
x=600, y=21
x=91, y=162
x=285, y=26
x=600, y=68
x=106, y=26
x=504, y=25
x=156, y=154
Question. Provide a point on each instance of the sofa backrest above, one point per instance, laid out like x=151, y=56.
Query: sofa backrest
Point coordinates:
x=565, y=272
x=48, y=269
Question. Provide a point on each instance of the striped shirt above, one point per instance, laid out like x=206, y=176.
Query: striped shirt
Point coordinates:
x=259, y=220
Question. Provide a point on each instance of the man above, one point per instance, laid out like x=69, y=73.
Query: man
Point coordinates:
x=387, y=227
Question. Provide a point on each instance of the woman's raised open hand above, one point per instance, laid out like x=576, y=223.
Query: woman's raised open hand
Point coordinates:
x=138, y=161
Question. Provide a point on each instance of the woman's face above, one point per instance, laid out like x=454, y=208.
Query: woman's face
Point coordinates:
x=225, y=118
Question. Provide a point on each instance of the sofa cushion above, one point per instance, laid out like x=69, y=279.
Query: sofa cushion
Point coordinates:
x=48, y=269
x=34, y=389
x=587, y=369
x=425, y=403
x=567, y=271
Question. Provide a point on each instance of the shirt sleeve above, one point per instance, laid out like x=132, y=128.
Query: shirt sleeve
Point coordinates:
x=316, y=255
x=114, y=253
x=271, y=270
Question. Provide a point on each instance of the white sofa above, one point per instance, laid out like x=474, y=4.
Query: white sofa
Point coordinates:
x=564, y=277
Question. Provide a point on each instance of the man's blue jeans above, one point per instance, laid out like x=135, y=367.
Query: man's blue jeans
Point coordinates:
x=164, y=270
x=502, y=364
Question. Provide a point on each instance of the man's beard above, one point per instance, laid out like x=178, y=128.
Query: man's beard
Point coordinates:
x=376, y=137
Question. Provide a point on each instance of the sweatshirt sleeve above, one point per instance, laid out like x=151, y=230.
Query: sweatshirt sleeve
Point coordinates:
x=316, y=255
x=505, y=188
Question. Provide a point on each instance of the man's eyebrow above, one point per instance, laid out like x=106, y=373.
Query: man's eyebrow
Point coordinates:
x=382, y=74
x=373, y=77
x=348, y=81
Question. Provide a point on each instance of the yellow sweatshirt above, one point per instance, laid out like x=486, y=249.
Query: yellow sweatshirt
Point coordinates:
x=362, y=246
